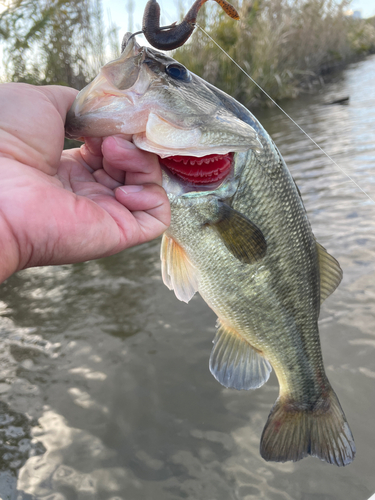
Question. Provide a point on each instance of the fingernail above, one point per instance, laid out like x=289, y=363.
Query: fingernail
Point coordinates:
x=131, y=189
x=123, y=143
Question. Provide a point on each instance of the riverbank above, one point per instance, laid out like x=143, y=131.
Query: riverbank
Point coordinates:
x=286, y=47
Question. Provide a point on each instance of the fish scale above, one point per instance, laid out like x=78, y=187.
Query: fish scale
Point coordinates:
x=226, y=300
x=244, y=243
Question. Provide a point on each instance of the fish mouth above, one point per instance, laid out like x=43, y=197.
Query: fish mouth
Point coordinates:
x=205, y=170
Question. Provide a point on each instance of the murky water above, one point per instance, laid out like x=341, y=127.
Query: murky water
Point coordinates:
x=104, y=380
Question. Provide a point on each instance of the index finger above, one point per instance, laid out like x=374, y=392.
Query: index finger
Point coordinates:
x=120, y=156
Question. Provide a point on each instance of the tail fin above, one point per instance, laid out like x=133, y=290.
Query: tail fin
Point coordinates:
x=294, y=431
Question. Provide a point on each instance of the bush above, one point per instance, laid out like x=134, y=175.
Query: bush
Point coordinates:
x=282, y=44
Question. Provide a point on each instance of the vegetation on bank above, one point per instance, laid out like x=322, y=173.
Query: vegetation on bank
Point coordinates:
x=283, y=44
x=61, y=42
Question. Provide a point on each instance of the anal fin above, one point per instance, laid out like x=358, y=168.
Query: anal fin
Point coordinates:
x=235, y=363
x=177, y=272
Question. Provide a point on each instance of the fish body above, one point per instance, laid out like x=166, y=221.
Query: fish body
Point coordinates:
x=238, y=236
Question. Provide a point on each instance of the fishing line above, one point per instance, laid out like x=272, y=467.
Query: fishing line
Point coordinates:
x=286, y=114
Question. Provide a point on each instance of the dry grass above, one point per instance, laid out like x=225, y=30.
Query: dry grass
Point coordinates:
x=281, y=43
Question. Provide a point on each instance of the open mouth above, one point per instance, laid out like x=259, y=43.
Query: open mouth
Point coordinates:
x=204, y=170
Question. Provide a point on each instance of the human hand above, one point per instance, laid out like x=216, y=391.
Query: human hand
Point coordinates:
x=69, y=206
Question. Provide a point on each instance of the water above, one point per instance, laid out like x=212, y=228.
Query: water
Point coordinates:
x=105, y=388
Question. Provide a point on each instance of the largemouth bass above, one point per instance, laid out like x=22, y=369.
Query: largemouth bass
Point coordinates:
x=239, y=236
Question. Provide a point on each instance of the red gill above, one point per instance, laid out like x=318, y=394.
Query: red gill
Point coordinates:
x=204, y=170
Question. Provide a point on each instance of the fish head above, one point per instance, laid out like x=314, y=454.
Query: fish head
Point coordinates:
x=193, y=127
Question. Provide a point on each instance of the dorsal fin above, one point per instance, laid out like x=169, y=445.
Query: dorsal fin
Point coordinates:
x=330, y=272
x=235, y=363
x=177, y=271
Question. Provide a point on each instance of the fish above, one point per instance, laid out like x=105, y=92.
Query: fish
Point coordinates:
x=239, y=235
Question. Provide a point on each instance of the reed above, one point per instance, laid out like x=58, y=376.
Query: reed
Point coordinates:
x=283, y=44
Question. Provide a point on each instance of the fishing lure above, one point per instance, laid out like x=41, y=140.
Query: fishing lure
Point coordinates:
x=173, y=36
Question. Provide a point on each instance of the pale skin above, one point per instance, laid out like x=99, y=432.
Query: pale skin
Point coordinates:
x=59, y=207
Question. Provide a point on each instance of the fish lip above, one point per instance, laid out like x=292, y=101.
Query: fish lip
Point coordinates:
x=72, y=123
x=83, y=109
x=88, y=105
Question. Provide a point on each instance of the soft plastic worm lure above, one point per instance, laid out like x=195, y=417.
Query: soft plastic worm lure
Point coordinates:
x=173, y=36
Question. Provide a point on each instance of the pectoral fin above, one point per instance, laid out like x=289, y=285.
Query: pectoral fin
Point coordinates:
x=235, y=363
x=177, y=271
x=241, y=236
x=330, y=272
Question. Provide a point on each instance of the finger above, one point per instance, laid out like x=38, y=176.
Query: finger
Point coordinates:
x=140, y=166
x=77, y=178
x=104, y=179
x=89, y=188
x=116, y=174
x=92, y=160
x=150, y=227
x=134, y=227
x=60, y=96
x=149, y=204
x=91, y=153
x=143, y=197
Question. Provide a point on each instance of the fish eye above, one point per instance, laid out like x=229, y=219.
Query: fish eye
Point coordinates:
x=178, y=72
